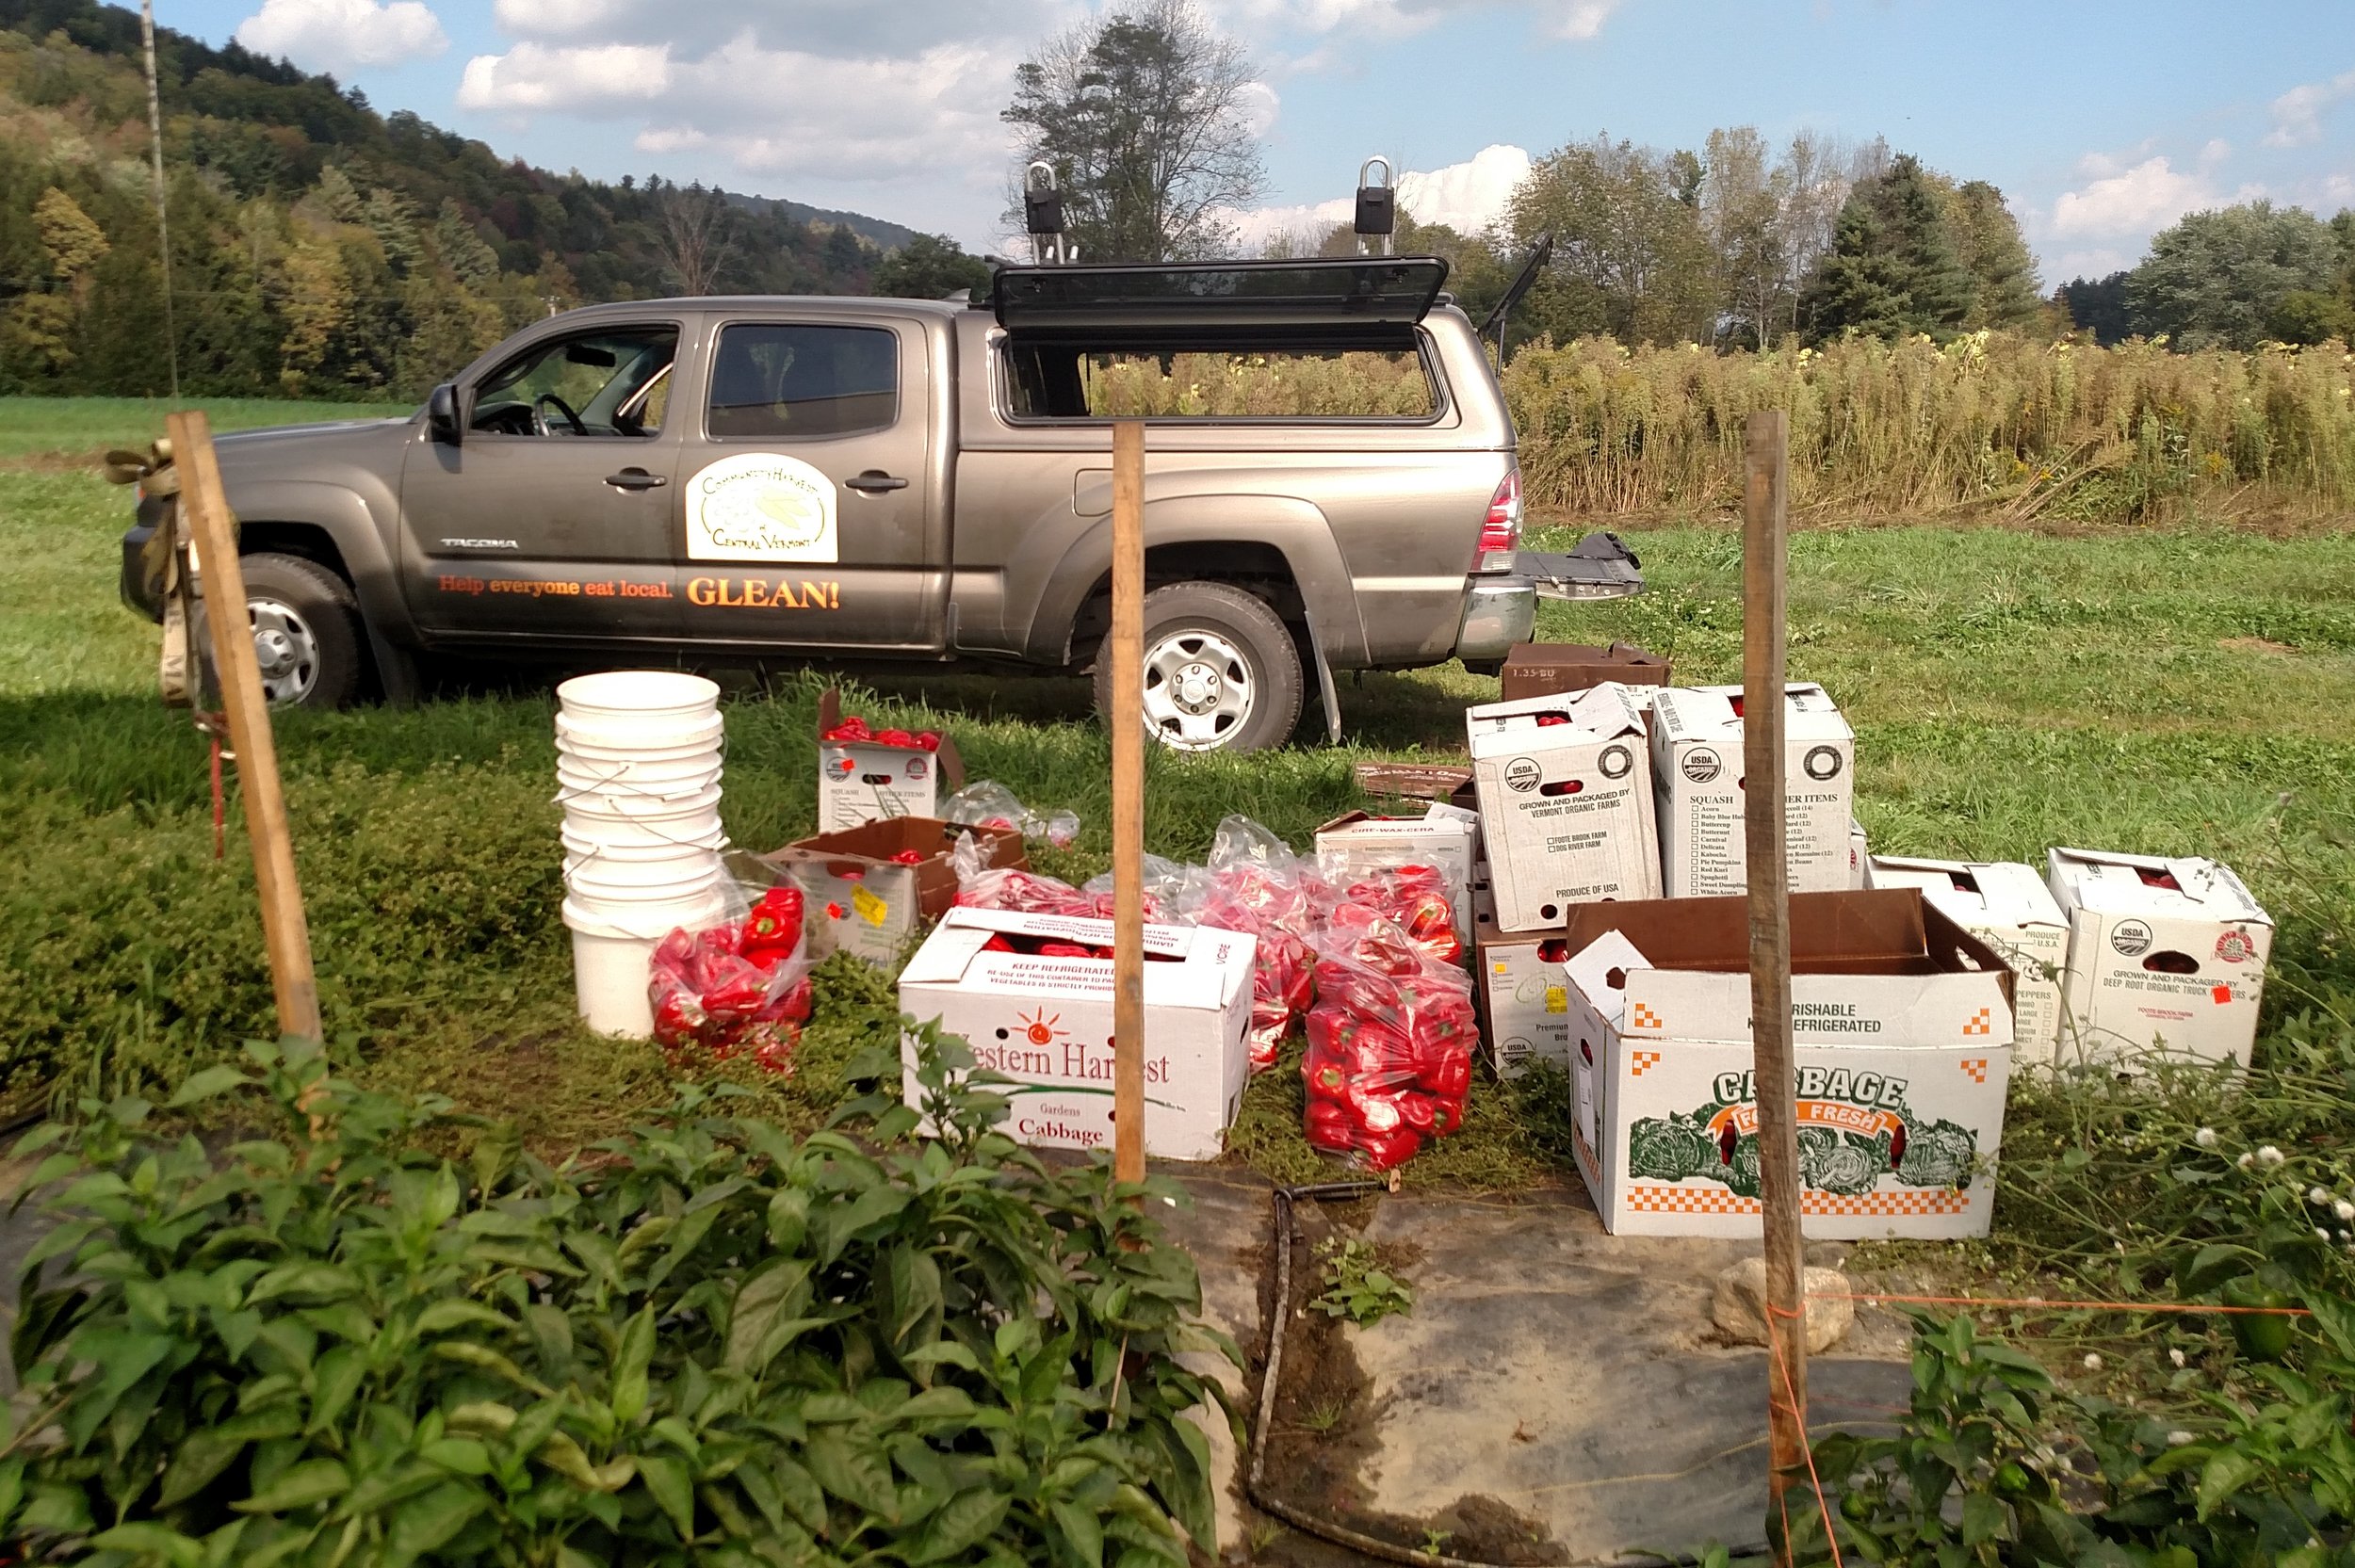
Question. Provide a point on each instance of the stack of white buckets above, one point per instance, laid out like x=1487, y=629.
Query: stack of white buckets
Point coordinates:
x=638, y=762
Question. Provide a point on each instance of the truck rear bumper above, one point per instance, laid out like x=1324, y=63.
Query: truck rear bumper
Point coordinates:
x=1499, y=612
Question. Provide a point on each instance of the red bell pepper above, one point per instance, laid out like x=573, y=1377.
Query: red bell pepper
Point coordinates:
x=928, y=740
x=1328, y=1128
x=908, y=857
x=900, y=738
x=1387, y=1151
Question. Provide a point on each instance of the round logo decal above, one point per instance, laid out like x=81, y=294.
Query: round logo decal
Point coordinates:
x=2131, y=938
x=760, y=506
x=1521, y=775
x=916, y=767
x=1616, y=761
x=1821, y=763
x=2234, y=947
x=1701, y=764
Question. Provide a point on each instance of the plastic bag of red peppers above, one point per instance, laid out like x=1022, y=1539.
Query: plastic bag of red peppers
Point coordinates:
x=1391, y=1041
x=740, y=988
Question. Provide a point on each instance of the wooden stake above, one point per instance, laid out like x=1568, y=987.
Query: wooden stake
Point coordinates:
x=1125, y=649
x=1764, y=522
x=284, y=930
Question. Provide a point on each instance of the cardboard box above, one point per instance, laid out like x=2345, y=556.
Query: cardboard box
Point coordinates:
x=1427, y=781
x=1554, y=669
x=1565, y=803
x=861, y=782
x=1697, y=767
x=2166, y=955
x=1444, y=837
x=1047, y=1024
x=1860, y=857
x=1523, y=997
x=861, y=900
x=1902, y=1027
x=2007, y=906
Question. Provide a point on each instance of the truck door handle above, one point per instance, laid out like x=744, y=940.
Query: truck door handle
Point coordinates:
x=874, y=481
x=636, y=478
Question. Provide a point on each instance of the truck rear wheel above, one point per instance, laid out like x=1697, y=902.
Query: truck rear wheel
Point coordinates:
x=1221, y=670
x=306, y=631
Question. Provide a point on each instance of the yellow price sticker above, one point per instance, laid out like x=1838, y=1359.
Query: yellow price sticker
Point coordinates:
x=1557, y=999
x=870, y=909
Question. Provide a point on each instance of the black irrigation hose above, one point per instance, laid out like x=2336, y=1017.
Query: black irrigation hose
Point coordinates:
x=1255, y=1478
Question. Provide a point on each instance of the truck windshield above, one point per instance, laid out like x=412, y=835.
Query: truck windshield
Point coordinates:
x=612, y=382
x=1053, y=380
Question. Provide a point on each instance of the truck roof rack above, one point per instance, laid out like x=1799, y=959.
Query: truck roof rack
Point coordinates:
x=1348, y=300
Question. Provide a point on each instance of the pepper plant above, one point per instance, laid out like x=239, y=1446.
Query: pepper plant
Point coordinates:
x=706, y=1342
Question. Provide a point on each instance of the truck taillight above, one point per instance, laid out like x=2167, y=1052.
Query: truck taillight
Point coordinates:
x=1500, y=534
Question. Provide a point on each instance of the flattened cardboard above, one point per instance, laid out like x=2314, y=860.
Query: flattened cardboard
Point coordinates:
x=2008, y=906
x=1523, y=997
x=860, y=901
x=1556, y=669
x=1444, y=837
x=1046, y=1022
x=1566, y=808
x=860, y=782
x=1698, y=769
x=1902, y=1039
x=2164, y=956
x=1427, y=781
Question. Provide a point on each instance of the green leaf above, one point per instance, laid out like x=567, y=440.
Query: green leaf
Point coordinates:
x=490, y=1360
x=313, y=1283
x=2227, y=1471
x=968, y=1517
x=426, y=1522
x=871, y=1207
x=152, y=1540
x=334, y=1379
x=802, y=1495
x=629, y=1367
x=667, y=1480
x=1079, y=1532
x=457, y=1312
x=464, y=1456
x=760, y=1302
x=204, y=1084
x=314, y=1481
x=200, y=1459
x=942, y=1352
x=856, y=1475
x=1984, y=1517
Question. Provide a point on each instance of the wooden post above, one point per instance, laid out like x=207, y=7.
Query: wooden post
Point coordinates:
x=1125, y=649
x=284, y=930
x=1765, y=506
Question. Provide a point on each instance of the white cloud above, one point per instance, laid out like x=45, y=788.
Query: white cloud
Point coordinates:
x=1467, y=197
x=1580, y=20
x=2297, y=113
x=1574, y=20
x=342, y=34
x=534, y=76
x=835, y=28
x=772, y=111
x=2138, y=201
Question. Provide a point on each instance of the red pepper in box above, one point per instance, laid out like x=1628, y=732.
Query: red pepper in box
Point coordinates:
x=852, y=730
x=895, y=737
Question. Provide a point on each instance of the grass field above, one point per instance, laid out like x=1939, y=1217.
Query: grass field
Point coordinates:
x=2186, y=690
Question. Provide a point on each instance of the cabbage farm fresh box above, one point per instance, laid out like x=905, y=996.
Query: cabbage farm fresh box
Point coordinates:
x=1901, y=1024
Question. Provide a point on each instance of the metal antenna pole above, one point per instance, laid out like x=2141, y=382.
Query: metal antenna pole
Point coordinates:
x=163, y=222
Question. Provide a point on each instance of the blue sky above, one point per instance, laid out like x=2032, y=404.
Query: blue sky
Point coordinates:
x=2101, y=123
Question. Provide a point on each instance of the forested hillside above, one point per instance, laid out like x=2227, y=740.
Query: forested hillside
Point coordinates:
x=318, y=248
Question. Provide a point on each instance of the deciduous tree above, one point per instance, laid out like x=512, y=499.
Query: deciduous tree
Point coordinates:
x=1630, y=256
x=930, y=267
x=1148, y=118
x=2216, y=278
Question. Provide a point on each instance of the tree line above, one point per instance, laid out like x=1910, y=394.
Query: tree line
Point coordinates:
x=1145, y=116
x=319, y=249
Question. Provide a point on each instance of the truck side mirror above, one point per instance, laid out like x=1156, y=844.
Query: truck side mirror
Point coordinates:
x=440, y=415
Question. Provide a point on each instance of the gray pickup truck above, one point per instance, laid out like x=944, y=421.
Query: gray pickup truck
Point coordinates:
x=1330, y=485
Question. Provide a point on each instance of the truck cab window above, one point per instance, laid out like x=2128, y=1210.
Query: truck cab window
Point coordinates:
x=780, y=381
x=614, y=382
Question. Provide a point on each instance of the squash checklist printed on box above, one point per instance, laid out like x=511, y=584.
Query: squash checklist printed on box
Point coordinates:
x=1697, y=767
x=1901, y=1044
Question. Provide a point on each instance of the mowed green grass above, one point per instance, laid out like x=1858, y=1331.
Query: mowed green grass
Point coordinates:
x=2185, y=691
x=66, y=428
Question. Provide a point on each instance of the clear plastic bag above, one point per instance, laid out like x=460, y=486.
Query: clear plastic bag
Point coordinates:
x=987, y=803
x=1391, y=1042
x=1419, y=901
x=741, y=987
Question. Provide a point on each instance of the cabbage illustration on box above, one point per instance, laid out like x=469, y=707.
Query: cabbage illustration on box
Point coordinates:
x=1901, y=1030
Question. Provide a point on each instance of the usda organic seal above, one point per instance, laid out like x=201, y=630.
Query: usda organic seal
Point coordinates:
x=760, y=506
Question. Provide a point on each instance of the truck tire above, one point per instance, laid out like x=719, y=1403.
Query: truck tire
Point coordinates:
x=306, y=631
x=1221, y=672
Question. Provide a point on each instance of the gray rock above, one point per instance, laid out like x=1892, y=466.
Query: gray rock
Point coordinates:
x=1739, y=1306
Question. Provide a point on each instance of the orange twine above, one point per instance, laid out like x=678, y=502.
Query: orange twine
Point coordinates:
x=1868, y=1298
x=1807, y=1447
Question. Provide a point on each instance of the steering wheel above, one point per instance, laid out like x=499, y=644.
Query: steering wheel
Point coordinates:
x=561, y=407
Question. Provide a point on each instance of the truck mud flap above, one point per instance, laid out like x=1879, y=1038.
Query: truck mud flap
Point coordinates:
x=1600, y=568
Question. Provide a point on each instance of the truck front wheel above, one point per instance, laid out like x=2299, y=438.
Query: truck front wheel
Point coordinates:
x=1221, y=670
x=306, y=631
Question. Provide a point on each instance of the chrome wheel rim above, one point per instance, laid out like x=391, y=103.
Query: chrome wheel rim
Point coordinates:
x=1199, y=691
x=285, y=648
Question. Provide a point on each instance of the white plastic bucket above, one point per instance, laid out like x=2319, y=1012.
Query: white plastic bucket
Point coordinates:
x=597, y=882
x=583, y=738
x=581, y=847
x=658, y=778
x=609, y=974
x=644, y=918
x=588, y=807
x=633, y=695
x=632, y=837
